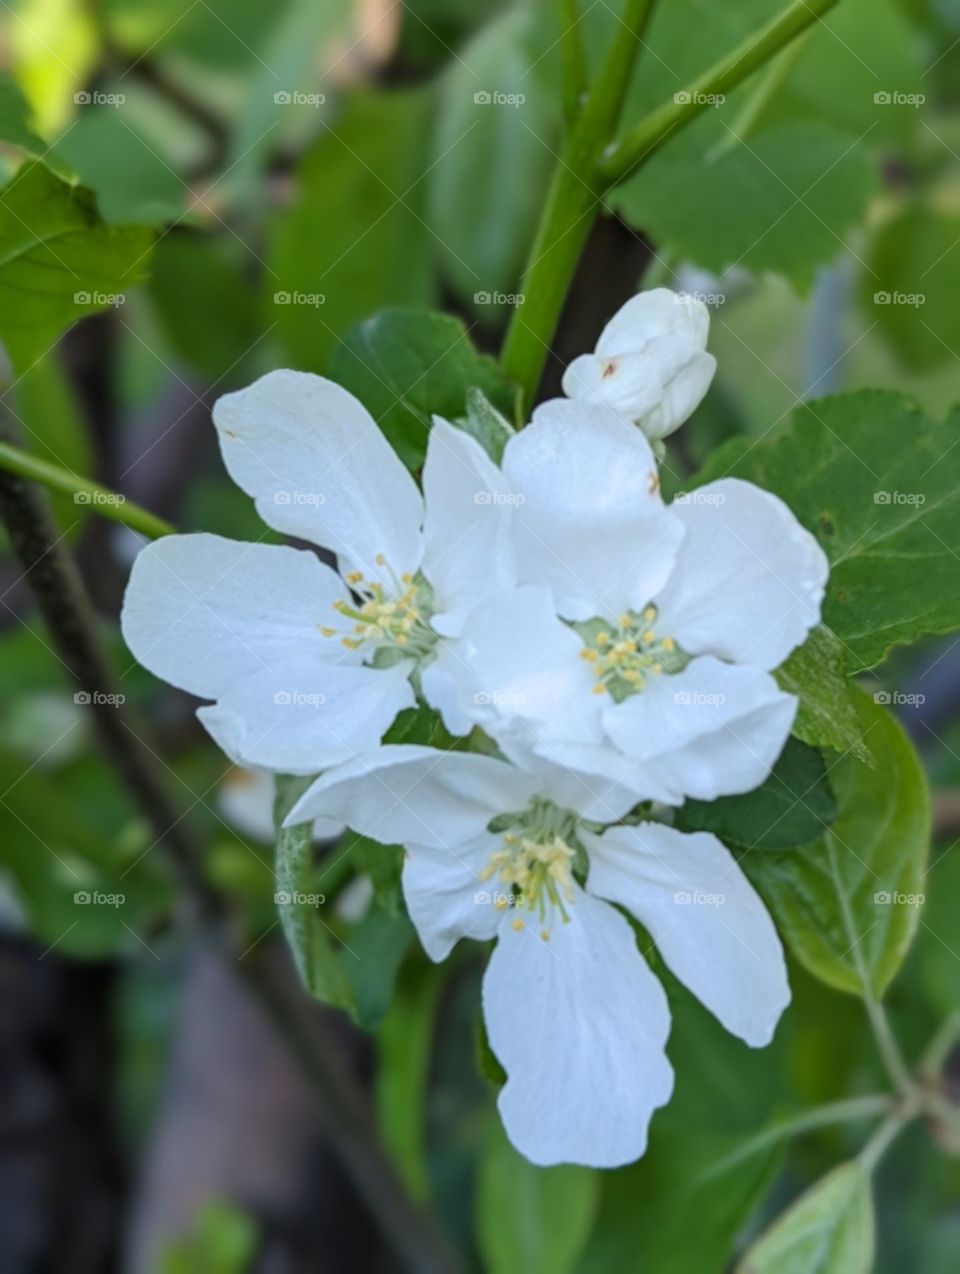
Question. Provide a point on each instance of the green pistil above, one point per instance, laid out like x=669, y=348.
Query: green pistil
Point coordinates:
x=626, y=654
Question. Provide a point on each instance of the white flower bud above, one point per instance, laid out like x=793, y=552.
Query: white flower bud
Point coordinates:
x=650, y=363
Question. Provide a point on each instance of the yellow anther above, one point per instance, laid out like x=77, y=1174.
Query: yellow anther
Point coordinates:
x=351, y=644
x=650, y=614
x=406, y=578
x=380, y=560
x=668, y=644
x=355, y=577
x=599, y=688
x=545, y=934
x=589, y=655
x=401, y=639
x=658, y=668
x=603, y=639
x=648, y=636
x=625, y=620
x=518, y=925
x=500, y=903
x=328, y=632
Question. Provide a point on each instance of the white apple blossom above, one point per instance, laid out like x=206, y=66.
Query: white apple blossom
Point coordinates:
x=306, y=668
x=642, y=652
x=650, y=363
x=541, y=861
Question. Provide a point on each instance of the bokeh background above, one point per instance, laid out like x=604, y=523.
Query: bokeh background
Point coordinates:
x=296, y=169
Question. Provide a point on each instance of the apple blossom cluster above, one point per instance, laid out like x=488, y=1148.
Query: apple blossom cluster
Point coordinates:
x=612, y=654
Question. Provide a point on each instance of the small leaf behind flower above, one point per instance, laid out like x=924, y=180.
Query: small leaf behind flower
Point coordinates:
x=828, y=1230
x=317, y=960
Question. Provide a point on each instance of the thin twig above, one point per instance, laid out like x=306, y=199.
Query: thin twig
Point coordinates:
x=51, y=574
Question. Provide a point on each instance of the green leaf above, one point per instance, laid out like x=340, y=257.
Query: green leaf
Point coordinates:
x=792, y=807
x=204, y=303
x=69, y=843
x=487, y=425
x=531, y=1218
x=887, y=514
x=826, y=716
x=371, y=960
x=58, y=261
x=222, y=1240
x=354, y=239
x=317, y=960
x=16, y=127
x=911, y=284
x=404, y=1045
x=499, y=116
x=406, y=365
x=828, y=1230
x=781, y=200
x=848, y=905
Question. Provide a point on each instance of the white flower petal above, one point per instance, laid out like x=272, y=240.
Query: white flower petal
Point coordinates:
x=630, y=383
x=680, y=396
x=467, y=548
x=592, y=524
x=579, y=1024
x=409, y=795
x=447, y=685
x=712, y=730
x=319, y=468
x=447, y=896
x=521, y=663
x=749, y=579
x=613, y=781
x=708, y=921
x=650, y=315
x=303, y=715
x=201, y=611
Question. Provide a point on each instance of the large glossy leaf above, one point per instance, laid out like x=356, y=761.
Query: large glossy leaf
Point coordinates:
x=849, y=905
x=58, y=261
x=406, y=366
x=782, y=199
x=355, y=238
x=887, y=514
x=828, y=1230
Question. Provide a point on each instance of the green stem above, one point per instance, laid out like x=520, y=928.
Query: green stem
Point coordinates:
x=624, y=156
x=877, y=1146
x=572, y=203
x=762, y=96
x=590, y=165
x=850, y=1110
x=87, y=495
x=574, y=58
